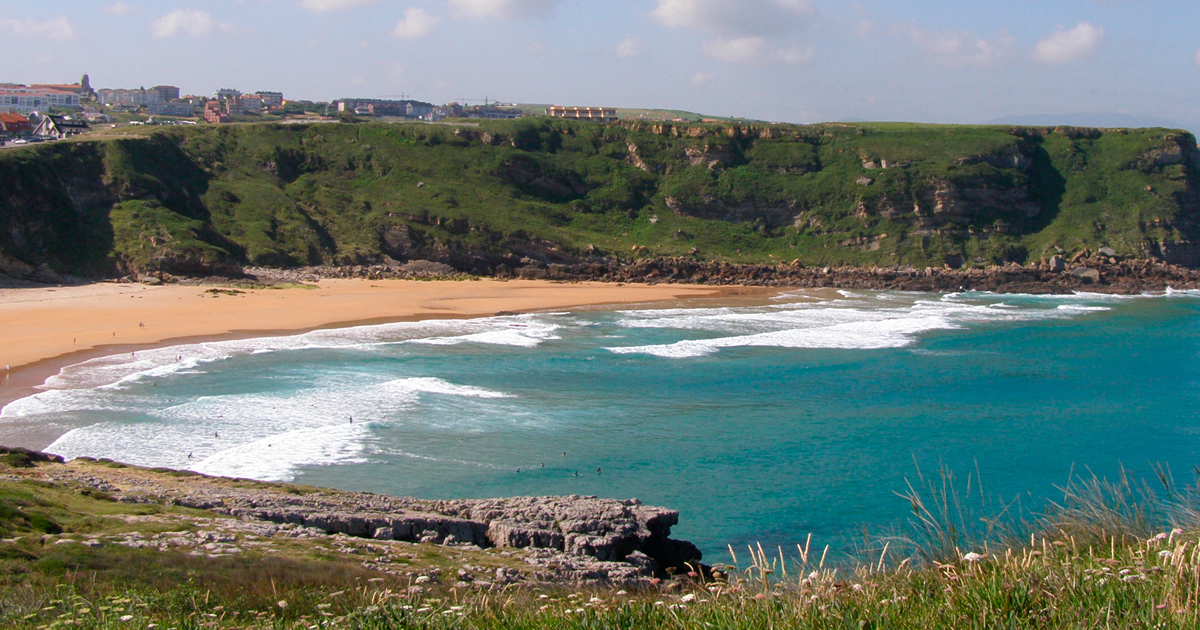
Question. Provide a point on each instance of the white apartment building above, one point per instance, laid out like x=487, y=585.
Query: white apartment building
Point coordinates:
x=22, y=99
x=135, y=96
x=271, y=99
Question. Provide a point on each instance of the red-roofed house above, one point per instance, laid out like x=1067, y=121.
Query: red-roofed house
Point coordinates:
x=12, y=125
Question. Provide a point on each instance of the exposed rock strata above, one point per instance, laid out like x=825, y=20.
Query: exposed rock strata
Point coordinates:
x=577, y=538
x=1055, y=275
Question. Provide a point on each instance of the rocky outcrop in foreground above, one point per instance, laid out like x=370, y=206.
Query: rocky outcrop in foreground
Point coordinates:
x=572, y=538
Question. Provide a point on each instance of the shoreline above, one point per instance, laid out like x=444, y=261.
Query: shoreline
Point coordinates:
x=38, y=313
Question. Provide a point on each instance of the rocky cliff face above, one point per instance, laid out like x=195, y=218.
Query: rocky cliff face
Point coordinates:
x=493, y=199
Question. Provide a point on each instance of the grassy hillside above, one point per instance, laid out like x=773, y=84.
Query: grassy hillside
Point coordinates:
x=507, y=193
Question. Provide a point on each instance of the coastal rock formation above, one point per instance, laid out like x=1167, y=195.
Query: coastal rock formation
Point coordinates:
x=578, y=538
x=1092, y=272
x=483, y=200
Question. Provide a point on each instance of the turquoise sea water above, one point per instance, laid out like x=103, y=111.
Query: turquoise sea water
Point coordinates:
x=759, y=422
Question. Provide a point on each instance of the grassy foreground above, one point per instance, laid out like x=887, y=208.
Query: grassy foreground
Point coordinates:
x=1093, y=561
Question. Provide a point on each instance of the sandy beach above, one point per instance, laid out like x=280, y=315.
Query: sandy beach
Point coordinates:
x=42, y=324
x=48, y=328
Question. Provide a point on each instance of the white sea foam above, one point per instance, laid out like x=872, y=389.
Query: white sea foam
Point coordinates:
x=276, y=458
x=227, y=435
x=528, y=335
x=1081, y=308
x=852, y=322
x=121, y=370
x=871, y=335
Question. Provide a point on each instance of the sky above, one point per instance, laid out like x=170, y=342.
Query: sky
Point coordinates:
x=797, y=61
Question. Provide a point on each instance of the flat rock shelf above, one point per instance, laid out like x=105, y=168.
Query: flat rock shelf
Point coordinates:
x=566, y=539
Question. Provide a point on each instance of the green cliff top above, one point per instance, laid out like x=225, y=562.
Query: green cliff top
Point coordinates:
x=477, y=196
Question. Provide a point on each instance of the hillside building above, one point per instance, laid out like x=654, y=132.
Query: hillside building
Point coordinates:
x=24, y=99
x=173, y=108
x=492, y=112
x=245, y=104
x=598, y=114
x=380, y=107
x=271, y=99
x=216, y=112
x=14, y=125
x=166, y=93
x=60, y=126
x=133, y=97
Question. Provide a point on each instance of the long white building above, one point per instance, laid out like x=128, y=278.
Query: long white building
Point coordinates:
x=22, y=99
x=135, y=96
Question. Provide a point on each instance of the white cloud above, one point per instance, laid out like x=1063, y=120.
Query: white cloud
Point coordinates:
x=501, y=8
x=188, y=21
x=118, y=8
x=55, y=28
x=1064, y=46
x=735, y=18
x=416, y=23
x=959, y=48
x=755, y=50
x=700, y=78
x=631, y=47
x=321, y=6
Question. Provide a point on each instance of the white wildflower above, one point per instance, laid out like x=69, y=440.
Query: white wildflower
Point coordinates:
x=125, y=617
x=972, y=557
x=687, y=598
x=1165, y=553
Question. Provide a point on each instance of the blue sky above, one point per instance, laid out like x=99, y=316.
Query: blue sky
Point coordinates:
x=784, y=60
